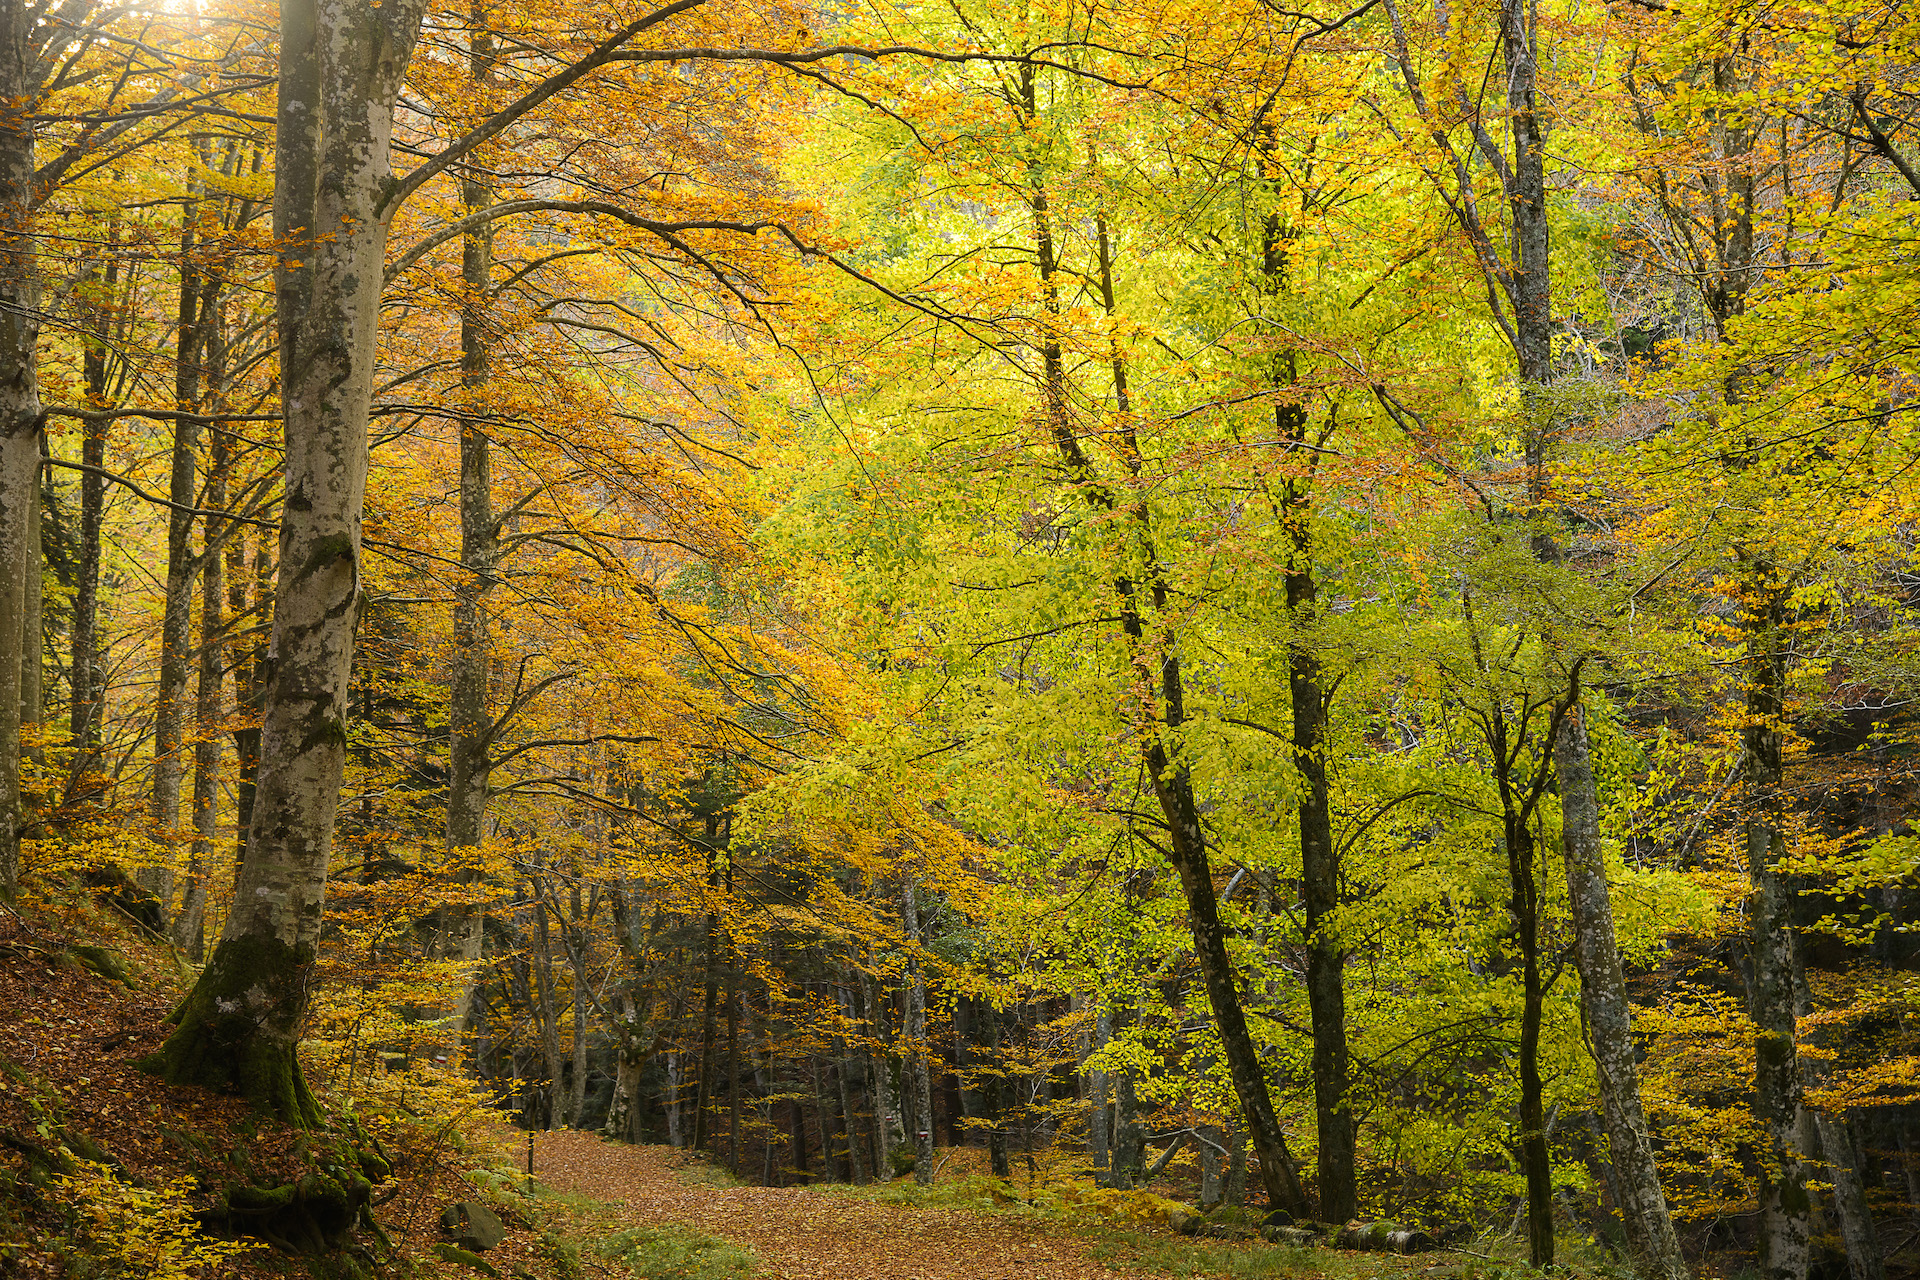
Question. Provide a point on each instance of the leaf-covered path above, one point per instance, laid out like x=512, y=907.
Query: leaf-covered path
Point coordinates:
x=805, y=1234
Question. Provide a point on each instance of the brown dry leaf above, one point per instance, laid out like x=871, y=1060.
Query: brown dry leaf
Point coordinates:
x=805, y=1234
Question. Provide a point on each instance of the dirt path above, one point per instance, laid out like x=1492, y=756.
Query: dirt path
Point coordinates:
x=802, y=1234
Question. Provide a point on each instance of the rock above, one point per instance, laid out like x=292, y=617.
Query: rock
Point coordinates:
x=1278, y=1218
x=1180, y=1222
x=452, y=1253
x=102, y=962
x=1409, y=1241
x=472, y=1225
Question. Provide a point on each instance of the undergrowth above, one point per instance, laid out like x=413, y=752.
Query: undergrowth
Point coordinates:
x=678, y=1253
x=1136, y=1251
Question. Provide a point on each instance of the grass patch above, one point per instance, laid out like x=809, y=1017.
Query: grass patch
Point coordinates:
x=986, y=1195
x=699, y=1173
x=678, y=1253
x=1137, y=1251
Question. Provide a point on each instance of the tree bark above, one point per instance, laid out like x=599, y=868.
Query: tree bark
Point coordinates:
x=888, y=1133
x=1652, y=1245
x=919, y=1081
x=342, y=64
x=21, y=71
x=189, y=925
x=470, y=727
x=1786, y=1207
x=86, y=663
x=176, y=625
x=1099, y=1137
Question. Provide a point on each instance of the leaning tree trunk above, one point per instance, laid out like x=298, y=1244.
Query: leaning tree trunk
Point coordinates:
x=1156, y=664
x=1652, y=1245
x=342, y=63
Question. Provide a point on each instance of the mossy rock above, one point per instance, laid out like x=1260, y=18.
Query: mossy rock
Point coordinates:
x=454, y=1253
x=103, y=962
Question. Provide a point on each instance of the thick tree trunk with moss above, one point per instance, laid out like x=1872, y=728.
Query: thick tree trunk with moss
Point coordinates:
x=342, y=63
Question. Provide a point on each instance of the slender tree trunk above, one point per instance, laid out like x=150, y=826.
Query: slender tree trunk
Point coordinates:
x=189, y=926
x=1840, y=1150
x=919, y=1081
x=470, y=726
x=733, y=1075
x=576, y=937
x=1652, y=1245
x=1098, y=1134
x=1320, y=887
x=709, y=1000
x=341, y=66
x=1158, y=676
x=86, y=663
x=1785, y=1204
x=176, y=625
x=888, y=1132
x=1535, y=1155
x=249, y=679
x=548, y=1010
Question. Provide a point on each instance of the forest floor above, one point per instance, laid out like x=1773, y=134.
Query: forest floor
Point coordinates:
x=807, y=1233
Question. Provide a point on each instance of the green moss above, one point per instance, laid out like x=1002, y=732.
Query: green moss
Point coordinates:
x=681, y=1252
x=237, y=1030
x=455, y=1254
x=102, y=961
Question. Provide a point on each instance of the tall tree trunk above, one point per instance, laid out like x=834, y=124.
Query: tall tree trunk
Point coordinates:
x=576, y=935
x=1536, y=1158
x=1098, y=1132
x=1320, y=886
x=20, y=420
x=1786, y=1206
x=547, y=1012
x=841, y=1068
x=918, y=1081
x=733, y=1074
x=1308, y=695
x=470, y=727
x=1158, y=676
x=86, y=663
x=176, y=624
x=888, y=1133
x=189, y=931
x=1652, y=1245
x=341, y=66
x=249, y=679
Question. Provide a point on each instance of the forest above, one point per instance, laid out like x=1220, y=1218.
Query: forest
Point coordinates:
x=1308, y=604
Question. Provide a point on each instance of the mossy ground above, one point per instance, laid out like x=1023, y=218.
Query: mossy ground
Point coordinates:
x=680, y=1252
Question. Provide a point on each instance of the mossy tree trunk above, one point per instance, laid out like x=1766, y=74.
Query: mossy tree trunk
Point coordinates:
x=342, y=63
